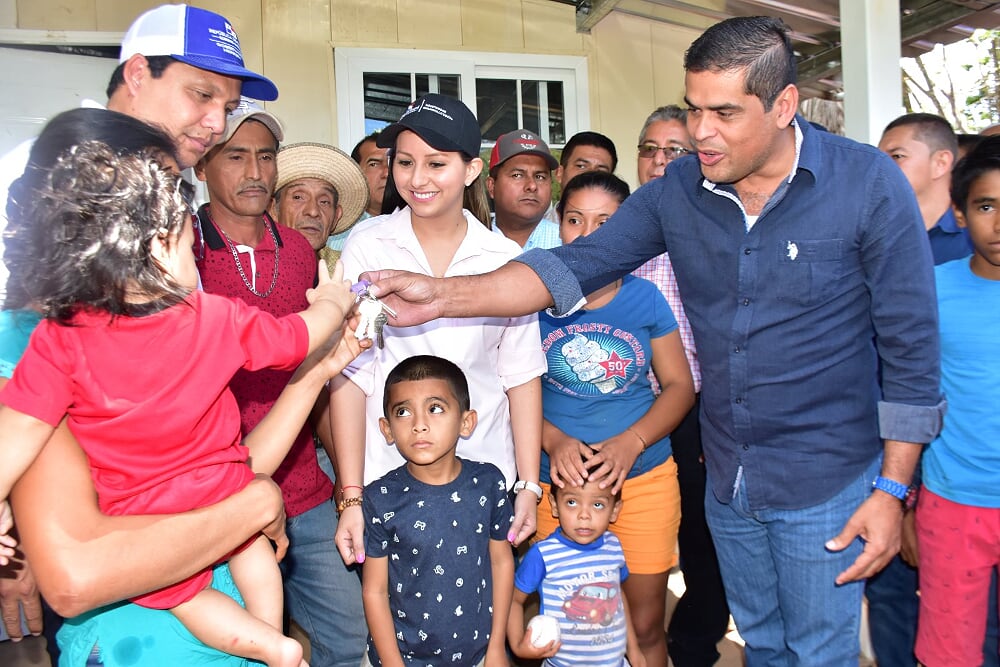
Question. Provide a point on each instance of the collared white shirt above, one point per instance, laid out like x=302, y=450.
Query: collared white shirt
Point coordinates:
x=495, y=353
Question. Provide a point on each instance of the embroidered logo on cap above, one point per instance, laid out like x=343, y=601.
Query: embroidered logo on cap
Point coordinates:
x=226, y=40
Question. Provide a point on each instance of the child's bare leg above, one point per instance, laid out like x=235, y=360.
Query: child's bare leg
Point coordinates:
x=254, y=632
x=220, y=622
x=255, y=572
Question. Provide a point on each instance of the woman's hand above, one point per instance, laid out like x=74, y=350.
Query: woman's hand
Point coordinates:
x=7, y=541
x=275, y=530
x=613, y=459
x=525, y=517
x=350, y=537
x=18, y=591
x=568, y=457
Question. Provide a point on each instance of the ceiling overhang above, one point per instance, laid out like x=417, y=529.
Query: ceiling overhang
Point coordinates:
x=814, y=25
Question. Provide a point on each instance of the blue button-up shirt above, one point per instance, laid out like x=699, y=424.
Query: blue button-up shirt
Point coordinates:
x=790, y=316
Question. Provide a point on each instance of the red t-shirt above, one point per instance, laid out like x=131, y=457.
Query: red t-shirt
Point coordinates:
x=148, y=397
x=303, y=484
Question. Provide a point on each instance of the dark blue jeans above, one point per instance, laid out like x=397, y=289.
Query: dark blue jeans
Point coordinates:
x=779, y=577
x=321, y=593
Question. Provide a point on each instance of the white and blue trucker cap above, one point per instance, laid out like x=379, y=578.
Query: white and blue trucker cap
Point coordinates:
x=199, y=38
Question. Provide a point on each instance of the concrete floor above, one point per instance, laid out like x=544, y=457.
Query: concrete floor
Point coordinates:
x=31, y=651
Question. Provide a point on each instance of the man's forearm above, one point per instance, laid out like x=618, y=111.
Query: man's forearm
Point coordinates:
x=900, y=459
x=83, y=559
x=510, y=291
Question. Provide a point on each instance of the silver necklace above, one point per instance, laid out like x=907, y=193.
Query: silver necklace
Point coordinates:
x=239, y=265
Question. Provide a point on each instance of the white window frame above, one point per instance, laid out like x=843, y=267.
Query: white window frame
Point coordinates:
x=351, y=64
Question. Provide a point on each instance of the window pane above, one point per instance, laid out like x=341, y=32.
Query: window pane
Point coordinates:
x=496, y=105
x=386, y=97
x=387, y=94
x=542, y=110
x=437, y=83
x=531, y=93
x=557, y=113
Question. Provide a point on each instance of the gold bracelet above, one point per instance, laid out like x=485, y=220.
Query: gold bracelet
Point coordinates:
x=348, y=502
x=645, y=445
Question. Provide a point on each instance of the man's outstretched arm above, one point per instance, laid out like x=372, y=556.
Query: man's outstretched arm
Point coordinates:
x=512, y=290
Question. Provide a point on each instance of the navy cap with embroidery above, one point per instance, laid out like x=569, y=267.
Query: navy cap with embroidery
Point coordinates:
x=443, y=122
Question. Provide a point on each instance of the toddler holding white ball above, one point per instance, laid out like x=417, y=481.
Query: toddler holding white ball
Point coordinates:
x=577, y=571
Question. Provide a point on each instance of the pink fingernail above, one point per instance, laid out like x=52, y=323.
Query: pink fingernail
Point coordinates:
x=511, y=535
x=360, y=558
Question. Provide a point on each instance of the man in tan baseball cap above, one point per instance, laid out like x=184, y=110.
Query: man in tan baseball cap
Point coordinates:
x=320, y=192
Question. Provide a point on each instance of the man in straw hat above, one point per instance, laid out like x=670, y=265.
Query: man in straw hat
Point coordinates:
x=320, y=192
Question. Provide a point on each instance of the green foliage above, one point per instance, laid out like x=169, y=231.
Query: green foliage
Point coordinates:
x=960, y=82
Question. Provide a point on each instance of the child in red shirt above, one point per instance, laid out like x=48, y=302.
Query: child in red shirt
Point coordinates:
x=141, y=361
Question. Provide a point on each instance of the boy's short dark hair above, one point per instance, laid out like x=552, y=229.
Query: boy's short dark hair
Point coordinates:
x=428, y=367
x=588, y=138
x=984, y=157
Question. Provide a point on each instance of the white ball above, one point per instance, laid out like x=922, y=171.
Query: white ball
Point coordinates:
x=542, y=630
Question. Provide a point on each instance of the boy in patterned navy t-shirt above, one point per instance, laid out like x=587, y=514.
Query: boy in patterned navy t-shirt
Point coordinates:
x=439, y=573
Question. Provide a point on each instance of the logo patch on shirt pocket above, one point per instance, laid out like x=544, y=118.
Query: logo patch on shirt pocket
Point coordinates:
x=808, y=270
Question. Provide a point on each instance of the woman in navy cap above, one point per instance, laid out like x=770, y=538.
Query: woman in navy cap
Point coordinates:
x=434, y=222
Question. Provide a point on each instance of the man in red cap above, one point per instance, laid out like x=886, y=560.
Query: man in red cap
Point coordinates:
x=520, y=184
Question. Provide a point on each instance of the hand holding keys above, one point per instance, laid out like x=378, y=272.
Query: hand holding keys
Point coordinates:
x=373, y=314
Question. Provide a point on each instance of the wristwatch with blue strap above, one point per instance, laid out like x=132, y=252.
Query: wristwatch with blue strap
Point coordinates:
x=906, y=494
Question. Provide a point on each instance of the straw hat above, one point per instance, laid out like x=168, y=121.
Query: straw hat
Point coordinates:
x=330, y=164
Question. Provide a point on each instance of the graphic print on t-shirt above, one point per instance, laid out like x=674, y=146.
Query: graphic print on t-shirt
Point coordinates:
x=593, y=359
x=595, y=602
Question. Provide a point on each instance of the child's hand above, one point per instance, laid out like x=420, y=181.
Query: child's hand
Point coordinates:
x=333, y=356
x=345, y=349
x=7, y=541
x=525, y=649
x=332, y=288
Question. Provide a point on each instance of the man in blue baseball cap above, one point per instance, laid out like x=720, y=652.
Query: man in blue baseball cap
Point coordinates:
x=181, y=68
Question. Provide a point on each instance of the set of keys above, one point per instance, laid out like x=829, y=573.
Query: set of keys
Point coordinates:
x=373, y=314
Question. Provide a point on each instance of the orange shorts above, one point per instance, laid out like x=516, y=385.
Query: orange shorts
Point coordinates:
x=647, y=524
